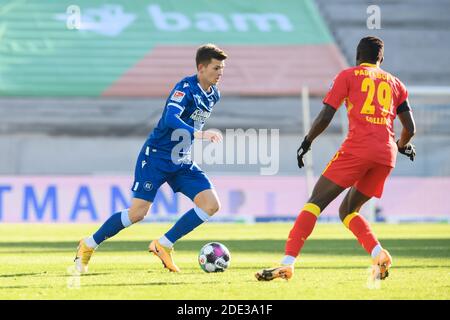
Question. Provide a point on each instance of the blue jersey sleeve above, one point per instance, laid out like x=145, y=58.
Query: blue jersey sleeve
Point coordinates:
x=180, y=96
x=173, y=119
x=177, y=102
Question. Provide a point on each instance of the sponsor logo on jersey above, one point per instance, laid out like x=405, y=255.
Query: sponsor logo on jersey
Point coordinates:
x=200, y=115
x=185, y=85
x=177, y=96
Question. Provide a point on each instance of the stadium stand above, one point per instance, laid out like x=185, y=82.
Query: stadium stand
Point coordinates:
x=141, y=49
x=76, y=91
x=416, y=36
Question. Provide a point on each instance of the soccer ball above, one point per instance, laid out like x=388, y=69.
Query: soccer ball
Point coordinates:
x=214, y=257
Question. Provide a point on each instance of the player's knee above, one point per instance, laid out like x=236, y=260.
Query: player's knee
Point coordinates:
x=138, y=214
x=136, y=217
x=212, y=207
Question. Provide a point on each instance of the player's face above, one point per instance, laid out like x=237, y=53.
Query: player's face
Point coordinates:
x=212, y=72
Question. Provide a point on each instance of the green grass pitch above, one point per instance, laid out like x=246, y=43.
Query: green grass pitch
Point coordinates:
x=36, y=263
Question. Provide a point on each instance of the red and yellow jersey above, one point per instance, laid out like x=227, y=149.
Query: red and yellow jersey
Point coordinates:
x=371, y=96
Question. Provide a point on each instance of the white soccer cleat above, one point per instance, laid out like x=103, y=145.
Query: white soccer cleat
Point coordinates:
x=381, y=265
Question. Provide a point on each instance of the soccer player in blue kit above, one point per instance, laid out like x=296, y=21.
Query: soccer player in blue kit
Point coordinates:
x=165, y=157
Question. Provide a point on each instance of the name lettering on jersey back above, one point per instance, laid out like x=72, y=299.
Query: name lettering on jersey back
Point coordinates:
x=373, y=74
x=200, y=115
x=377, y=120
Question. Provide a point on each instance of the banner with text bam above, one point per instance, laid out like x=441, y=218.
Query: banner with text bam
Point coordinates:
x=142, y=48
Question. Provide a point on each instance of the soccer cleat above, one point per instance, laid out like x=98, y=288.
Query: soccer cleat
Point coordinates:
x=283, y=272
x=381, y=265
x=165, y=254
x=82, y=257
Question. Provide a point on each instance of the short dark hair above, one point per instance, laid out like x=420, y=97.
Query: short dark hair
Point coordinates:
x=207, y=52
x=370, y=49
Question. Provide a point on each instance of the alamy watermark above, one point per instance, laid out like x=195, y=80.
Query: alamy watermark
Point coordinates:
x=374, y=19
x=73, y=20
x=239, y=147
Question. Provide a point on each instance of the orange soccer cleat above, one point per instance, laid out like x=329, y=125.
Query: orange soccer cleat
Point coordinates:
x=83, y=256
x=165, y=254
x=283, y=272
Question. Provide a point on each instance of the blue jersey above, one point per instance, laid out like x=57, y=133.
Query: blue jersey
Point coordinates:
x=187, y=108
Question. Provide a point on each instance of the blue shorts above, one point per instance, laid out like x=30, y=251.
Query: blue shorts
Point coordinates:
x=153, y=170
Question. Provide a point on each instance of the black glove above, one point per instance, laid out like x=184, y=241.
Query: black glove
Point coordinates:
x=408, y=150
x=304, y=148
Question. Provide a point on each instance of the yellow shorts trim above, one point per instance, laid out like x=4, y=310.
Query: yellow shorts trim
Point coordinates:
x=349, y=218
x=331, y=161
x=313, y=208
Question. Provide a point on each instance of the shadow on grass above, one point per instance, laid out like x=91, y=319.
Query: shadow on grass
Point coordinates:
x=90, y=274
x=14, y=275
x=420, y=248
x=145, y=284
x=49, y=274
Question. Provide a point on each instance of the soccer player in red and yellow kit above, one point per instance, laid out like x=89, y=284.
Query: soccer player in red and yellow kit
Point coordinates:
x=373, y=99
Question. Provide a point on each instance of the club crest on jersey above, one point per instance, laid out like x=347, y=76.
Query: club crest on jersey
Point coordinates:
x=148, y=186
x=177, y=96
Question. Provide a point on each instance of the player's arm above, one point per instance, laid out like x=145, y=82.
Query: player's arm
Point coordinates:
x=173, y=120
x=409, y=129
x=320, y=123
x=210, y=135
x=332, y=101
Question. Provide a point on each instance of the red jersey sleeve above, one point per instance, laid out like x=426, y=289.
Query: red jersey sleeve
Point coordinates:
x=338, y=91
x=402, y=93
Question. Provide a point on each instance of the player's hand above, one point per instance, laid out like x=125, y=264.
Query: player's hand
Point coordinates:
x=408, y=150
x=304, y=148
x=210, y=135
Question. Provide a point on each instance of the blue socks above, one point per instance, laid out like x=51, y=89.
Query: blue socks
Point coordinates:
x=120, y=220
x=188, y=222
x=111, y=227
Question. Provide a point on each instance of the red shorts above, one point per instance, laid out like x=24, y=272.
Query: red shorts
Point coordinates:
x=366, y=176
